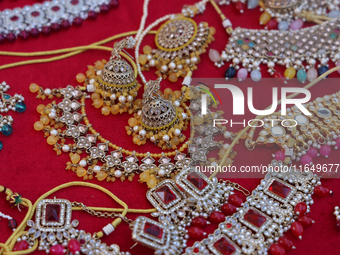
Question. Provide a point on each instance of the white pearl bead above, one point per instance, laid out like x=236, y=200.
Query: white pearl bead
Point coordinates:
x=96, y=169
x=135, y=128
x=193, y=60
x=161, y=173
x=66, y=148
x=52, y=115
x=122, y=99
x=172, y=65
x=82, y=163
x=142, y=132
x=118, y=173
x=152, y=62
x=113, y=97
x=129, y=98
x=176, y=103
x=226, y=146
x=164, y=68
x=166, y=138
x=271, y=64
x=47, y=92
x=177, y=132
x=227, y=135
x=184, y=115
x=54, y=132
x=152, y=139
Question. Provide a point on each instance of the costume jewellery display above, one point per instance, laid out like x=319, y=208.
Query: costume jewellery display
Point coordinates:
x=50, y=16
x=299, y=50
x=7, y=103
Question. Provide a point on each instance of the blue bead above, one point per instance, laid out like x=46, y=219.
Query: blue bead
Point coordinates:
x=322, y=70
x=20, y=107
x=7, y=130
x=6, y=96
x=230, y=72
x=1, y=145
x=302, y=75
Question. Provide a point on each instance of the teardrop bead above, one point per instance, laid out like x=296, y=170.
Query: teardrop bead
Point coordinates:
x=235, y=200
x=242, y=74
x=286, y=243
x=301, y=208
x=214, y=55
x=199, y=222
x=301, y=75
x=264, y=18
x=322, y=191
x=296, y=24
x=297, y=229
x=305, y=221
x=276, y=249
x=256, y=75
x=195, y=232
x=322, y=70
x=290, y=73
x=230, y=72
x=217, y=217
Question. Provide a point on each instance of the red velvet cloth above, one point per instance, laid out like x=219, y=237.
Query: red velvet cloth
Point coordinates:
x=29, y=165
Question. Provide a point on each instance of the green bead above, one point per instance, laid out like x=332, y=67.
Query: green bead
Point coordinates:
x=302, y=75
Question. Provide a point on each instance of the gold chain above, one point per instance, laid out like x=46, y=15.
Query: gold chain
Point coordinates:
x=237, y=187
x=101, y=214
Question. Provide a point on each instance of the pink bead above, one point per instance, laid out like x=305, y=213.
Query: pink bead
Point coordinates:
x=214, y=55
x=312, y=74
x=242, y=74
x=57, y=249
x=296, y=24
x=313, y=152
x=280, y=156
x=325, y=150
x=337, y=142
x=306, y=159
x=338, y=64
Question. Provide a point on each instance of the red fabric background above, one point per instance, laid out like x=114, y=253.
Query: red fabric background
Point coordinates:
x=29, y=165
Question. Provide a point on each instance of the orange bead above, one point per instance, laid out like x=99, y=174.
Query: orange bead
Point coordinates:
x=40, y=108
x=95, y=96
x=97, y=103
x=101, y=175
x=81, y=172
x=264, y=18
x=174, y=140
x=45, y=120
x=34, y=87
x=75, y=158
x=132, y=122
x=177, y=94
x=142, y=59
x=212, y=30
x=90, y=73
x=106, y=110
x=38, y=126
x=147, y=49
x=99, y=65
x=114, y=109
x=51, y=140
x=173, y=77
x=167, y=91
x=80, y=77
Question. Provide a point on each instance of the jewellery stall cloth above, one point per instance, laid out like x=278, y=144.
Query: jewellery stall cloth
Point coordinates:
x=31, y=167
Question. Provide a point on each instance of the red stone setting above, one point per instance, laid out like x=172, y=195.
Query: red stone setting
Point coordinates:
x=52, y=213
x=255, y=218
x=279, y=189
x=197, y=180
x=166, y=194
x=224, y=247
x=153, y=230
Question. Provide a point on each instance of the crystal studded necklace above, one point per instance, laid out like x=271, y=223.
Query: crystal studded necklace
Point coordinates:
x=305, y=53
x=50, y=16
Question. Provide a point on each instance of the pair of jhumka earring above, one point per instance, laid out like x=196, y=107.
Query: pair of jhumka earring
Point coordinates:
x=7, y=103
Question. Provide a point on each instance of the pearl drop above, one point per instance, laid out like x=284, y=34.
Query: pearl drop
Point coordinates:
x=135, y=128
x=193, y=60
x=164, y=68
x=48, y=92
x=96, y=169
x=152, y=139
x=66, y=148
x=184, y=115
x=118, y=173
x=122, y=99
x=166, y=138
x=172, y=65
x=227, y=135
x=52, y=115
x=113, y=97
x=283, y=25
x=54, y=132
x=142, y=132
x=177, y=132
x=82, y=163
x=152, y=62
x=130, y=98
x=176, y=103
